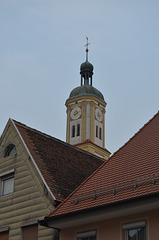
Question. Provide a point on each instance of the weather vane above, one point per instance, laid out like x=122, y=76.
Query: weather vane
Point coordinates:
x=86, y=45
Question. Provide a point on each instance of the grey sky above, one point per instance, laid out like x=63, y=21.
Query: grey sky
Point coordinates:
x=42, y=47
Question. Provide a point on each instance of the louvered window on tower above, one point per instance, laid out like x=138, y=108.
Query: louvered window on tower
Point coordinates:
x=73, y=131
x=97, y=131
x=100, y=133
x=78, y=129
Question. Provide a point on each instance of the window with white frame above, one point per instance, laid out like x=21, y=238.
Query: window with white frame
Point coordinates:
x=6, y=184
x=91, y=235
x=135, y=231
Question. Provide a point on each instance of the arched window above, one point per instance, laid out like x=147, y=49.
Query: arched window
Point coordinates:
x=78, y=129
x=10, y=150
x=73, y=131
x=97, y=131
x=100, y=133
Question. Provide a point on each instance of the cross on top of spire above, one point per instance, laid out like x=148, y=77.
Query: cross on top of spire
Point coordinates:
x=86, y=45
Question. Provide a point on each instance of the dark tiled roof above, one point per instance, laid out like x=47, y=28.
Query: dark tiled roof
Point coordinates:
x=130, y=173
x=64, y=167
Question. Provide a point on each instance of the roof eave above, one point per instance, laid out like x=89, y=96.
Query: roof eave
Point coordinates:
x=99, y=213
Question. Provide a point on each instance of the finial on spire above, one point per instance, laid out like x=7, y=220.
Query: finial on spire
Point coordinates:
x=87, y=48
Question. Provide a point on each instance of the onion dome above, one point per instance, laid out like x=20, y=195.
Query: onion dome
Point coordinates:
x=86, y=88
x=86, y=67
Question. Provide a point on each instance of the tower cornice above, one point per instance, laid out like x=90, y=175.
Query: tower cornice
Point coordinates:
x=87, y=98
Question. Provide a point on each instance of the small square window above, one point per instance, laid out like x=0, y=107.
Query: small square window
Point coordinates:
x=30, y=232
x=135, y=231
x=91, y=235
x=4, y=235
x=136, y=234
x=6, y=184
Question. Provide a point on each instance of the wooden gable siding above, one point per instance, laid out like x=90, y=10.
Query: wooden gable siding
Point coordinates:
x=29, y=202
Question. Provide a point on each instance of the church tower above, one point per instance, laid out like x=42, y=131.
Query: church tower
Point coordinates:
x=86, y=114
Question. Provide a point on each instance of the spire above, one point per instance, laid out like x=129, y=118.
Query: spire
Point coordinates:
x=86, y=69
x=87, y=49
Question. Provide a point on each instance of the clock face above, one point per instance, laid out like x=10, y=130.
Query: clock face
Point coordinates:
x=75, y=113
x=98, y=114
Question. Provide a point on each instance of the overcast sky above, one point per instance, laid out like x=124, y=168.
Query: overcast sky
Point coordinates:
x=42, y=47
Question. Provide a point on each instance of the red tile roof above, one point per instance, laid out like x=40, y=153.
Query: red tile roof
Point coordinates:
x=64, y=167
x=132, y=172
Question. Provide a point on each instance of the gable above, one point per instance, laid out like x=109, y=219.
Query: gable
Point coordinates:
x=28, y=200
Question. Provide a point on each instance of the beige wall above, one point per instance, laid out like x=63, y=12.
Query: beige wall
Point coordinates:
x=29, y=201
x=112, y=229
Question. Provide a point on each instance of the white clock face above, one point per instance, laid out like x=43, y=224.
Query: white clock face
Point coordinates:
x=98, y=114
x=75, y=113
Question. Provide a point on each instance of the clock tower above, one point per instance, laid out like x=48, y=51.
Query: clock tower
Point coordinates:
x=86, y=114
